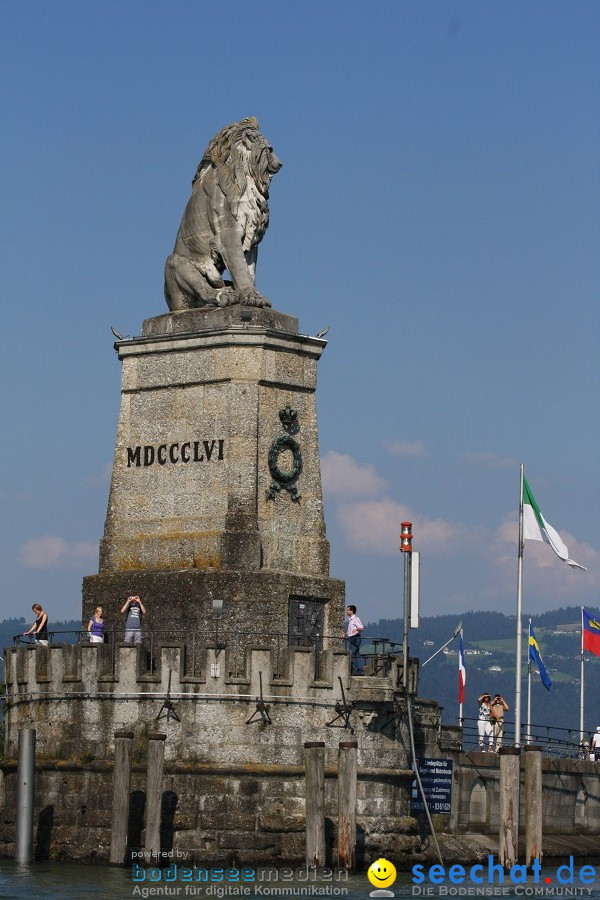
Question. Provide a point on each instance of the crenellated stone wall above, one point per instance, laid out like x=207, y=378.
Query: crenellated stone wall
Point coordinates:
x=76, y=696
x=234, y=781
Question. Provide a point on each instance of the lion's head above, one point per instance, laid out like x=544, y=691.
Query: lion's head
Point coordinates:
x=244, y=163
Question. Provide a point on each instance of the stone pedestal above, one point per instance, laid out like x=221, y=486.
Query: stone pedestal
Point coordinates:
x=215, y=503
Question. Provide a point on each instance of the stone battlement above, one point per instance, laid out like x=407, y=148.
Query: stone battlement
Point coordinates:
x=122, y=667
x=77, y=696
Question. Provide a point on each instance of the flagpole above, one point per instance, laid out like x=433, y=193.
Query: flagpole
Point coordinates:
x=581, y=680
x=460, y=705
x=519, y=615
x=529, y=689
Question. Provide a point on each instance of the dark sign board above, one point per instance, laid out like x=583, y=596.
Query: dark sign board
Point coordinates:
x=436, y=778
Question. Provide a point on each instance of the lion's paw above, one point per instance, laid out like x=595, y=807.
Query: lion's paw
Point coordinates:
x=226, y=297
x=251, y=297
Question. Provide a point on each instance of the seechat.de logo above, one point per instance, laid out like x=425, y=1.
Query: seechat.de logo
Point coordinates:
x=381, y=874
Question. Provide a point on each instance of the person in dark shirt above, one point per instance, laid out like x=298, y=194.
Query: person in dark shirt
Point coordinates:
x=39, y=629
x=135, y=609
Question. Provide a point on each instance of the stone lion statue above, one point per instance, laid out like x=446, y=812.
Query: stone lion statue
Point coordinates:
x=223, y=222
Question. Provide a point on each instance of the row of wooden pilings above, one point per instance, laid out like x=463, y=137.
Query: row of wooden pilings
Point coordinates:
x=508, y=849
x=314, y=757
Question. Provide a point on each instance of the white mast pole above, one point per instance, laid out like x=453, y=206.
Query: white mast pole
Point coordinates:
x=460, y=706
x=529, y=690
x=581, y=680
x=519, y=615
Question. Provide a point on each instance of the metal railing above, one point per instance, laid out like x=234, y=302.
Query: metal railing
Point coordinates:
x=554, y=740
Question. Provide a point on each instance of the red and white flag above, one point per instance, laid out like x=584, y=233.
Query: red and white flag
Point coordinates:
x=462, y=672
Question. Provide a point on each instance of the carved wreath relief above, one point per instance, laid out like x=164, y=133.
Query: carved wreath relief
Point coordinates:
x=286, y=480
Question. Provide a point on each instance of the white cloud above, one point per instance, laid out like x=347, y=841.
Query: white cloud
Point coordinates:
x=413, y=449
x=53, y=552
x=489, y=460
x=373, y=526
x=344, y=477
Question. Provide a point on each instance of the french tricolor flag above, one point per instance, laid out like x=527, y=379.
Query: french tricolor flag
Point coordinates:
x=462, y=672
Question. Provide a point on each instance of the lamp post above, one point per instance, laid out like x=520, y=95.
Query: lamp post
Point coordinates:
x=406, y=549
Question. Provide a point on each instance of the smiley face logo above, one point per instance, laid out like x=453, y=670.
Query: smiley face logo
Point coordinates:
x=381, y=873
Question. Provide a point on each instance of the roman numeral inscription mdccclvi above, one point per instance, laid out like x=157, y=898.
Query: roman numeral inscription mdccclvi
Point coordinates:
x=180, y=452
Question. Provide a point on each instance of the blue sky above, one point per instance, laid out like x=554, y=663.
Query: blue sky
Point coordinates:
x=439, y=208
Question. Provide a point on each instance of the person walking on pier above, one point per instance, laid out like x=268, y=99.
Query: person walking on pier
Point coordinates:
x=498, y=707
x=135, y=609
x=484, y=723
x=39, y=629
x=352, y=640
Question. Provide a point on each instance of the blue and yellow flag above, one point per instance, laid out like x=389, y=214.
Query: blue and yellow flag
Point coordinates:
x=536, y=657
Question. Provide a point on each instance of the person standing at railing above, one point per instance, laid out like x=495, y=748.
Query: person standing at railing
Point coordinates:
x=96, y=627
x=484, y=723
x=352, y=640
x=135, y=609
x=39, y=629
x=498, y=707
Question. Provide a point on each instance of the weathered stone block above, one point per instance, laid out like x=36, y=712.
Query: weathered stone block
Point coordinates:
x=283, y=816
x=248, y=840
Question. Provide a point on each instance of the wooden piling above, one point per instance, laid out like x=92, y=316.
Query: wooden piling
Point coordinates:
x=533, y=803
x=154, y=777
x=314, y=761
x=347, y=769
x=509, y=806
x=121, y=789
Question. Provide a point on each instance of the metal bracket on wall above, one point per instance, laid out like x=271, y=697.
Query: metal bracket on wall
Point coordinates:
x=343, y=711
x=262, y=709
x=398, y=713
x=167, y=710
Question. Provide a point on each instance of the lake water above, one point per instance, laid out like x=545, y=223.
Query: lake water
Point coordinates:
x=65, y=881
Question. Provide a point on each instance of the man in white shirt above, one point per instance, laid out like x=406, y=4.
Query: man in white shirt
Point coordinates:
x=352, y=640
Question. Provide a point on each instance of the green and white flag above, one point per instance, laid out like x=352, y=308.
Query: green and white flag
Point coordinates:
x=536, y=528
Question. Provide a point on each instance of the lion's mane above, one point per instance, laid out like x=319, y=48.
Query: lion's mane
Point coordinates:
x=239, y=155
